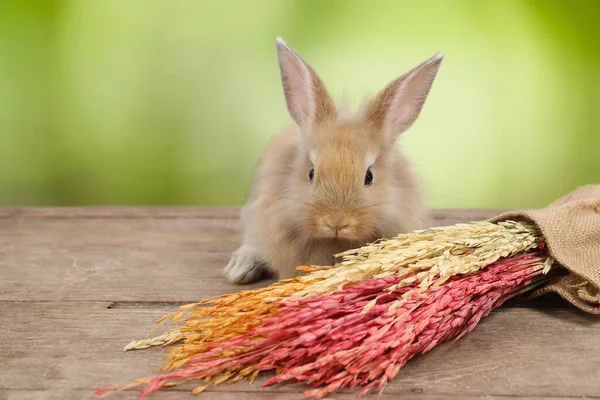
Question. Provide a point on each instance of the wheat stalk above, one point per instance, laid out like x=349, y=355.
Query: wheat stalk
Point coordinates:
x=165, y=339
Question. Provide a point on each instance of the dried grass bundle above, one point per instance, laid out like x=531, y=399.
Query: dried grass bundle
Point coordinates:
x=358, y=322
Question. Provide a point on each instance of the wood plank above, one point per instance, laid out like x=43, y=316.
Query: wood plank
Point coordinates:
x=115, y=259
x=188, y=212
x=515, y=352
x=127, y=254
x=57, y=394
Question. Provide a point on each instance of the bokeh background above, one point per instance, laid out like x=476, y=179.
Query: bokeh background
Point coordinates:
x=172, y=102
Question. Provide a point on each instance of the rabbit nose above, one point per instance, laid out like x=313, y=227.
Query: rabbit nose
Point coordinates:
x=336, y=227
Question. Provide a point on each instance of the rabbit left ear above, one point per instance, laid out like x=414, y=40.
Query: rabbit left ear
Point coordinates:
x=307, y=98
x=399, y=104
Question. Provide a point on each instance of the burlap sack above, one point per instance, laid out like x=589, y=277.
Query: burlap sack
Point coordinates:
x=571, y=227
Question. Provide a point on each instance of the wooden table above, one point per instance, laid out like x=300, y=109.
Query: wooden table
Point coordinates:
x=78, y=284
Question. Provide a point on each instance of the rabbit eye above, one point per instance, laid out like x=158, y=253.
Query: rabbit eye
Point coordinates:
x=311, y=174
x=368, y=177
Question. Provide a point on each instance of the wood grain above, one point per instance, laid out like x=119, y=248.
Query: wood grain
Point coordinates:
x=126, y=254
x=58, y=394
x=189, y=212
x=53, y=345
x=76, y=285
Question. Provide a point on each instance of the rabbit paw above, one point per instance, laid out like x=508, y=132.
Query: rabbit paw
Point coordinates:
x=245, y=266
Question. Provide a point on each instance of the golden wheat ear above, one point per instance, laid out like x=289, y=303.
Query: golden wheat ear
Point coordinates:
x=305, y=94
x=399, y=104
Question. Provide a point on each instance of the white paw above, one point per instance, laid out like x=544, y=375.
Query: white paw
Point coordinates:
x=245, y=266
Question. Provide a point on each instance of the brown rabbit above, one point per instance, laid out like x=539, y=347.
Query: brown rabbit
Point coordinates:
x=331, y=182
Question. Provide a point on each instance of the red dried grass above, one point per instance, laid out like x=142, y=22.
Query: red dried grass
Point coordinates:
x=361, y=335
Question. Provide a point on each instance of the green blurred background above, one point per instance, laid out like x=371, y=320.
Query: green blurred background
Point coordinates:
x=173, y=102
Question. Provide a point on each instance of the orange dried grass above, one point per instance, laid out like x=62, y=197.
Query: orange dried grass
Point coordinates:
x=221, y=318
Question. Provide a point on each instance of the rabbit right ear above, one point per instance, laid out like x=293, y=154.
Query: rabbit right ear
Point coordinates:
x=307, y=99
x=398, y=105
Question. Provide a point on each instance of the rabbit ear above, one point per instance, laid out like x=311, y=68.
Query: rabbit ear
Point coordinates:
x=307, y=99
x=398, y=105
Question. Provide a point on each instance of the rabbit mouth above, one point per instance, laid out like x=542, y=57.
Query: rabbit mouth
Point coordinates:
x=335, y=227
x=343, y=236
x=338, y=231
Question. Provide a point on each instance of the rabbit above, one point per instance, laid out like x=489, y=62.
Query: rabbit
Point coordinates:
x=331, y=182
